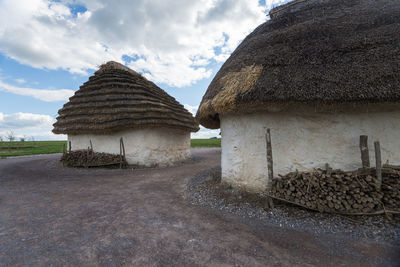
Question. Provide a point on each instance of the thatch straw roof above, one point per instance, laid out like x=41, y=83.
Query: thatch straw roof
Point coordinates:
x=117, y=98
x=315, y=51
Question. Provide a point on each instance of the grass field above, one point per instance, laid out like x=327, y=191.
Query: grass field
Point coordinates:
x=216, y=142
x=8, y=149
x=12, y=149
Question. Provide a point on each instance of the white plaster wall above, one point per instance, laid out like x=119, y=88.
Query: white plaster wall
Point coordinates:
x=303, y=142
x=147, y=147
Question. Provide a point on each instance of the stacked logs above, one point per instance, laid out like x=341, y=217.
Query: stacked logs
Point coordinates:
x=88, y=158
x=340, y=192
x=391, y=190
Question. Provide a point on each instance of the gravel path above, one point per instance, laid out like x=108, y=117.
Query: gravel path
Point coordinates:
x=55, y=216
x=201, y=191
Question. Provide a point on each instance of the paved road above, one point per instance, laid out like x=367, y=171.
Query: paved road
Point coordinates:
x=50, y=215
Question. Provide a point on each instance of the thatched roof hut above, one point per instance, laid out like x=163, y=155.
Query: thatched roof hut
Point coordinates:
x=119, y=102
x=315, y=51
x=117, y=98
x=313, y=59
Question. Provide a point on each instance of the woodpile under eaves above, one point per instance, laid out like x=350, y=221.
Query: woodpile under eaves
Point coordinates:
x=88, y=158
x=342, y=192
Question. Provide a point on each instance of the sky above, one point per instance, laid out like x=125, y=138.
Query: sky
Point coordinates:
x=49, y=48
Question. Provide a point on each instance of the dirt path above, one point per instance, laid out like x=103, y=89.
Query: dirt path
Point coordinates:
x=51, y=215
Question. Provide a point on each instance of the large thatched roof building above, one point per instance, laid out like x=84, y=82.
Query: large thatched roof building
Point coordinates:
x=118, y=102
x=319, y=74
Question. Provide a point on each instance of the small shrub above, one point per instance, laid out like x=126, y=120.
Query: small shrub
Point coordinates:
x=10, y=136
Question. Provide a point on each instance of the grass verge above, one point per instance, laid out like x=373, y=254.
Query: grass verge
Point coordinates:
x=18, y=148
x=212, y=142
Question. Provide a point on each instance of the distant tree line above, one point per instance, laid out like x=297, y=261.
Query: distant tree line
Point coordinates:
x=10, y=136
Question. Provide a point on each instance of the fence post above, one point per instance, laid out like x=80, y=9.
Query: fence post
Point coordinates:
x=269, y=155
x=120, y=153
x=123, y=149
x=364, y=151
x=270, y=165
x=87, y=157
x=378, y=163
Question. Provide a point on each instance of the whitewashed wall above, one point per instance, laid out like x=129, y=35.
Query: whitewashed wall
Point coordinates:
x=147, y=147
x=303, y=142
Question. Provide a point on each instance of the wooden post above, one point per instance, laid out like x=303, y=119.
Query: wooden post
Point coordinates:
x=364, y=151
x=69, y=148
x=91, y=146
x=87, y=157
x=328, y=169
x=64, y=149
x=120, y=153
x=378, y=163
x=269, y=155
x=270, y=165
x=123, y=148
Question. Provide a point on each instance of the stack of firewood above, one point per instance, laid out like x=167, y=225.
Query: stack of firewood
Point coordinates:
x=338, y=191
x=391, y=189
x=88, y=158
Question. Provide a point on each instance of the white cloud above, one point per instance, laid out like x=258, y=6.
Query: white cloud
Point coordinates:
x=24, y=120
x=191, y=109
x=42, y=94
x=221, y=57
x=173, y=41
x=274, y=3
x=205, y=133
x=37, y=126
x=20, y=80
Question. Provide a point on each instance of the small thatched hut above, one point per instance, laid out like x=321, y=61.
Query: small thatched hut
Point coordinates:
x=118, y=102
x=319, y=74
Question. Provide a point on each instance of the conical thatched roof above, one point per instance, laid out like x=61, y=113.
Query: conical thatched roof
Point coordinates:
x=315, y=51
x=117, y=98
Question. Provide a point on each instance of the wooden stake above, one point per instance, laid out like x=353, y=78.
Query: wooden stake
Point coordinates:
x=123, y=148
x=91, y=146
x=378, y=163
x=69, y=148
x=64, y=149
x=364, y=151
x=270, y=164
x=269, y=155
x=87, y=157
x=328, y=169
x=120, y=152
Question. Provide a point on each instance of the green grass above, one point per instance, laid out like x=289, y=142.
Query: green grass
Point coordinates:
x=216, y=142
x=17, y=148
